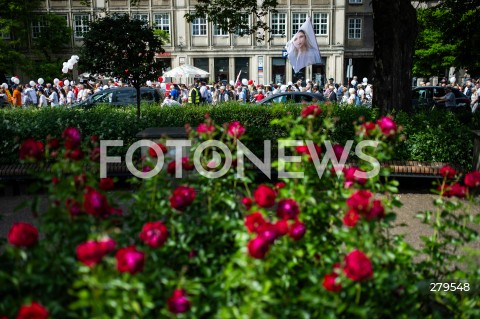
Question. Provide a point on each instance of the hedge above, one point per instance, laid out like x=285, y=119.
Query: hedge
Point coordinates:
x=430, y=136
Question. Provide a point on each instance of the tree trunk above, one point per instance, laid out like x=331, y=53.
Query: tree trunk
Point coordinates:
x=395, y=30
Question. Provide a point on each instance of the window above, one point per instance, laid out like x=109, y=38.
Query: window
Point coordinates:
x=278, y=23
x=245, y=20
x=320, y=23
x=297, y=20
x=162, y=22
x=141, y=17
x=354, y=28
x=80, y=25
x=199, y=26
x=38, y=25
x=218, y=31
x=355, y=1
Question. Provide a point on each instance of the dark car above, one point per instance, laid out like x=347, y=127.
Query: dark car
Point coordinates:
x=292, y=97
x=121, y=97
x=422, y=98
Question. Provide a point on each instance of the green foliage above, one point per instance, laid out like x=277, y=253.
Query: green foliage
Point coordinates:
x=430, y=136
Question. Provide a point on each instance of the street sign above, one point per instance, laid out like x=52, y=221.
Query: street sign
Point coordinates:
x=284, y=54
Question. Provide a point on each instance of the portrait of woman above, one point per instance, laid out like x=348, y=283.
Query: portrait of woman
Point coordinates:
x=302, y=49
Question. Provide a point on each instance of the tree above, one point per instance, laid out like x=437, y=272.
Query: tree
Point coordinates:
x=119, y=46
x=448, y=37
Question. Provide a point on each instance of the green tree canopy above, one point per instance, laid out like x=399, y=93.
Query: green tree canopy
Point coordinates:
x=119, y=46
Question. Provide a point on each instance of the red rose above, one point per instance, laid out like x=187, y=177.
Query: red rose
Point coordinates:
x=287, y=209
x=186, y=164
x=95, y=154
x=106, y=184
x=456, y=190
x=75, y=154
x=368, y=127
x=303, y=149
x=258, y=247
x=182, y=197
x=53, y=144
x=154, y=234
x=357, y=266
x=31, y=150
x=281, y=227
x=338, y=151
x=178, y=302
x=313, y=110
x=267, y=231
x=107, y=244
x=73, y=207
x=387, y=125
x=280, y=185
x=130, y=260
x=376, y=212
x=204, y=128
x=91, y=253
x=55, y=180
x=33, y=311
x=360, y=200
x=247, y=202
x=448, y=172
x=350, y=178
x=94, y=139
x=253, y=221
x=235, y=129
x=297, y=230
x=72, y=137
x=95, y=203
x=152, y=152
x=23, y=235
x=472, y=179
x=171, y=168
x=264, y=196
x=330, y=284
x=351, y=217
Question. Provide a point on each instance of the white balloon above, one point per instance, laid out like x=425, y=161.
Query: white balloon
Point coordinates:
x=290, y=83
x=70, y=65
x=12, y=79
x=16, y=81
x=232, y=82
x=453, y=79
x=32, y=83
x=66, y=82
x=65, y=70
x=244, y=81
x=5, y=85
x=365, y=80
x=55, y=81
x=149, y=83
x=41, y=81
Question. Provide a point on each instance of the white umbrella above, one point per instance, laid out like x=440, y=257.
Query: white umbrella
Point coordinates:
x=185, y=70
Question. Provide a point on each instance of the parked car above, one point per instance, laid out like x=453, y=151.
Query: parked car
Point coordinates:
x=422, y=97
x=122, y=96
x=292, y=97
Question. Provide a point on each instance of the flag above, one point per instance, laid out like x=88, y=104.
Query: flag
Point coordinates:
x=302, y=48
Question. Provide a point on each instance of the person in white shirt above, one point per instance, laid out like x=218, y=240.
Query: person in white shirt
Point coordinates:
x=53, y=97
x=42, y=99
x=30, y=95
x=70, y=96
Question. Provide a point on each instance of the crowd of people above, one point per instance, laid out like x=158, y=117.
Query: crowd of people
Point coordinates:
x=66, y=93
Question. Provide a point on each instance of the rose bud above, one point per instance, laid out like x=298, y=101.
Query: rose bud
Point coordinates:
x=287, y=209
x=258, y=247
x=23, y=235
x=247, y=202
x=235, y=129
x=387, y=125
x=297, y=230
x=330, y=284
x=178, y=302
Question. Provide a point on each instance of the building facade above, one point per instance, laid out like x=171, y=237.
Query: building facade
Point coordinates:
x=343, y=28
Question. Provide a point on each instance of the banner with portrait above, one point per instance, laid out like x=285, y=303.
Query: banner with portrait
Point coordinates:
x=302, y=49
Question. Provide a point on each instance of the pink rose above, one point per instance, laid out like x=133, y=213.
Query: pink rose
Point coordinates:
x=130, y=260
x=23, y=235
x=258, y=247
x=178, y=302
x=204, y=128
x=72, y=137
x=235, y=129
x=287, y=209
x=182, y=197
x=387, y=125
x=154, y=234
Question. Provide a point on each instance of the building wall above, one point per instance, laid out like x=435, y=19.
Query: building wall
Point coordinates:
x=264, y=58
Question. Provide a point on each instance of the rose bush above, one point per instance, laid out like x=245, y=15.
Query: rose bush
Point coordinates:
x=318, y=246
